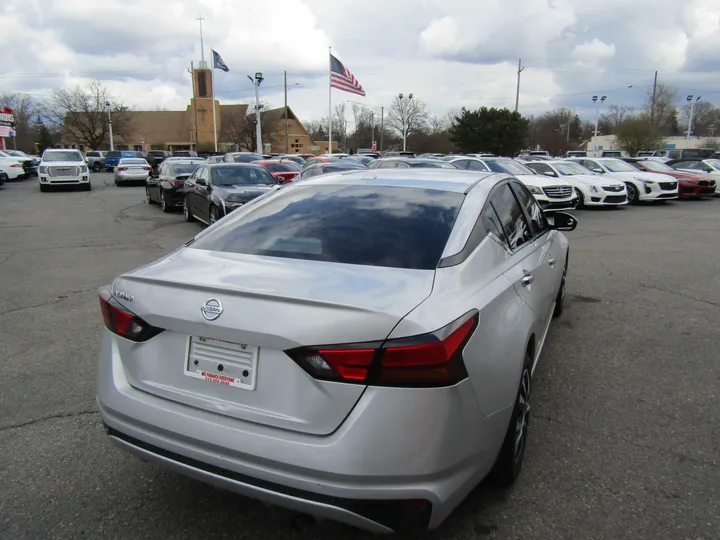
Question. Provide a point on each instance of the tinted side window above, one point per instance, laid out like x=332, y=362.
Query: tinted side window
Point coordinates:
x=461, y=164
x=512, y=218
x=537, y=218
x=491, y=222
x=540, y=168
x=345, y=224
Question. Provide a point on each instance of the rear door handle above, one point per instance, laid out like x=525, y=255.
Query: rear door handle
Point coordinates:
x=527, y=279
x=551, y=262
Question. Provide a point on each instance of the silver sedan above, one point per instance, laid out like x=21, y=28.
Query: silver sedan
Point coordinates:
x=131, y=170
x=355, y=346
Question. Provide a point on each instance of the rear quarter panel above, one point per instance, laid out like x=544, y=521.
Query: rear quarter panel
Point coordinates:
x=495, y=353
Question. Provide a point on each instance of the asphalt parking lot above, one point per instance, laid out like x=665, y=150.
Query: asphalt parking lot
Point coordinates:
x=625, y=439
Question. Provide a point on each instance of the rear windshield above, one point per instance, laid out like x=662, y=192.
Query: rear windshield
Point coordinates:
x=246, y=158
x=365, y=225
x=430, y=164
x=183, y=168
x=131, y=161
x=283, y=167
x=235, y=175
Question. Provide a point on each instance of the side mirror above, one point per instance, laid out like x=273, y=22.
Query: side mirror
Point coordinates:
x=276, y=186
x=563, y=222
x=550, y=173
x=201, y=182
x=597, y=170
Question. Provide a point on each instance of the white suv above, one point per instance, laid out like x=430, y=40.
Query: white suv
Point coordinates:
x=552, y=194
x=63, y=167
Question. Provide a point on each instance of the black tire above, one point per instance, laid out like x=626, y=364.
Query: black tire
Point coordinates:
x=165, y=205
x=117, y=182
x=96, y=166
x=560, y=298
x=187, y=214
x=633, y=195
x=581, y=199
x=509, y=462
x=43, y=188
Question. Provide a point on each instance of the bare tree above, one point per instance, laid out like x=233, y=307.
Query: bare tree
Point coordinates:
x=437, y=124
x=615, y=115
x=342, y=124
x=81, y=114
x=240, y=128
x=407, y=116
x=316, y=129
x=556, y=131
x=25, y=109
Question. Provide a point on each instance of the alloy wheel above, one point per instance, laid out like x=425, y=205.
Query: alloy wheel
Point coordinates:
x=631, y=193
x=523, y=418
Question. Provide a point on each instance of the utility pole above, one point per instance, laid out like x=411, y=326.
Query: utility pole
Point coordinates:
x=652, y=105
x=372, y=127
x=517, y=92
x=286, y=112
x=107, y=104
x=195, y=120
x=382, y=126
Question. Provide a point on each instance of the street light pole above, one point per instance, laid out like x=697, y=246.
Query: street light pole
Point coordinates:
x=692, y=111
x=112, y=146
x=597, y=121
x=404, y=119
x=258, y=129
x=382, y=126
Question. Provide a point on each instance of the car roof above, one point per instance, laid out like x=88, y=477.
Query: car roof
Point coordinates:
x=440, y=179
x=234, y=164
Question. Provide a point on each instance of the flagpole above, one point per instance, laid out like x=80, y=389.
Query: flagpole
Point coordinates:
x=329, y=100
x=212, y=83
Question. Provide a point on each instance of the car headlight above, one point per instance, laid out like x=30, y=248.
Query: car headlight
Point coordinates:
x=593, y=189
x=42, y=169
x=535, y=190
x=83, y=169
x=644, y=180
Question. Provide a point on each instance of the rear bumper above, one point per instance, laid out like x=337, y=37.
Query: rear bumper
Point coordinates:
x=396, y=449
x=131, y=177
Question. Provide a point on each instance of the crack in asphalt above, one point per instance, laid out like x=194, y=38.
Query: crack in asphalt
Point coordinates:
x=46, y=418
x=56, y=300
x=676, y=293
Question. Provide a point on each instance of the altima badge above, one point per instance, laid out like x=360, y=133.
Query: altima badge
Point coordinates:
x=212, y=309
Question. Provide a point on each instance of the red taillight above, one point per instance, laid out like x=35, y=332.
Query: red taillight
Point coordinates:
x=147, y=168
x=177, y=182
x=122, y=169
x=125, y=324
x=427, y=360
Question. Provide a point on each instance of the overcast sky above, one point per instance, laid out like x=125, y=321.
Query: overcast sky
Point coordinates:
x=448, y=53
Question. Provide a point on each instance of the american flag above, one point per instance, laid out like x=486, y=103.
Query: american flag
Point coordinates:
x=342, y=79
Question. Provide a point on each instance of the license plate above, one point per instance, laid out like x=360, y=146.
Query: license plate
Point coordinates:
x=222, y=362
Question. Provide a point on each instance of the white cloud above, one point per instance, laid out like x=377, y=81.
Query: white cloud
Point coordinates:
x=449, y=53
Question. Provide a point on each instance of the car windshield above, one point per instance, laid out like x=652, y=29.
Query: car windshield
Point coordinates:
x=571, y=169
x=246, y=158
x=616, y=165
x=283, y=167
x=361, y=225
x=131, y=161
x=507, y=166
x=656, y=166
x=229, y=175
x=430, y=164
x=15, y=153
x=179, y=169
x=70, y=155
x=714, y=163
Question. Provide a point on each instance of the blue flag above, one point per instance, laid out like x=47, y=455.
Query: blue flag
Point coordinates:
x=219, y=63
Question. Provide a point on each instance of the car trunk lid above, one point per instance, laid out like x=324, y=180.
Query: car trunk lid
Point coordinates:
x=261, y=306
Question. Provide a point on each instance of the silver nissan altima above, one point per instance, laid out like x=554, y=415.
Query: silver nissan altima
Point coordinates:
x=357, y=346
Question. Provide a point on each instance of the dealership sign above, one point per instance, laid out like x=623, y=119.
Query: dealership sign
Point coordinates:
x=7, y=118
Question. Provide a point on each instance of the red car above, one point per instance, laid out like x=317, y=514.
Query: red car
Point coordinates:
x=283, y=170
x=689, y=184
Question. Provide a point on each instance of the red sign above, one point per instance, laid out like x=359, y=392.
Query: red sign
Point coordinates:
x=374, y=146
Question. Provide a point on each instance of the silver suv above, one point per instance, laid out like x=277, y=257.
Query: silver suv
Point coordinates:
x=95, y=160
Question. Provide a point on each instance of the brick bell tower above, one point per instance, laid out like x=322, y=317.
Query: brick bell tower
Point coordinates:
x=202, y=105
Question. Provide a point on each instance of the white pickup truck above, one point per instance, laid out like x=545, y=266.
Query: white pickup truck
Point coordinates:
x=62, y=167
